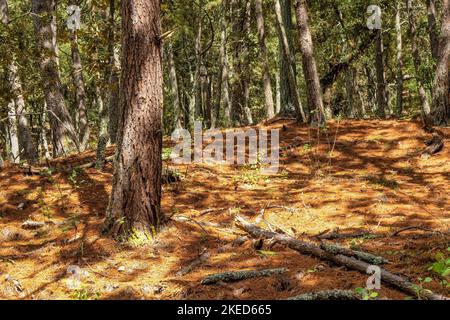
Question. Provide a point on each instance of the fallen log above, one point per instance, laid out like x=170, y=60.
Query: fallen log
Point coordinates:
x=303, y=247
x=33, y=225
x=364, y=256
x=327, y=295
x=434, y=145
x=233, y=276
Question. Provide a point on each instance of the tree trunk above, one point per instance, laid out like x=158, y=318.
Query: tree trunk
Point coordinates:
x=113, y=86
x=265, y=62
x=314, y=91
x=288, y=56
x=432, y=28
x=417, y=61
x=224, y=66
x=174, y=87
x=80, y=93
x=29, y=151
x=103, y=137
x=44, y=142
x=136, y=195
x=60, y=120
x=4, y=14
x=399, y=86
x=381, y=79
x=14, y=155
x=441, y=97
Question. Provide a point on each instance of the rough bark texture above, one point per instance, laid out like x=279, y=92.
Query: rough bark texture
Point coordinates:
x=80, y=93
x=417, y=60
x=136, y=194
x=114, y=67
x=103, y=136
x=441, y=98
x=225, y=92
x=241, y=275
x=382, y=100
x=432, y=28
x=174, y=87
x=28, y=149
x=4, y=15
x=14, y=155
x=399, y=85
x=314, y=91
x=288, y=56
x=327, y=295
x=60, y=120
x=264, y=59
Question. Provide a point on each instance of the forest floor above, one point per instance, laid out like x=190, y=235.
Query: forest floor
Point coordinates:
x=359, y=176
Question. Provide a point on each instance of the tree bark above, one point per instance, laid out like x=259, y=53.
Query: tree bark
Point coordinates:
x=27, y=146
x=80, y=93
x=441, y=97
x=432, y=28
x=60, y=120
x=114, y=67
x=314, y=91
x=265, y=62
x=399, y=85
x=382, y=102
x=136, y=195
x=174, y=87
x=14, y=155
x=224, y=66
x=288, y=56
x=417, y=61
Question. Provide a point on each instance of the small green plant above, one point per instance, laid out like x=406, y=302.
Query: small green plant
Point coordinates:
x=442, y=264
x=166, y=152
x=419, y=289
x=138, y=238
x=85, y=294
x=367, y=294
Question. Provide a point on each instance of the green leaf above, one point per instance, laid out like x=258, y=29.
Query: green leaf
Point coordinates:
x=267, y=253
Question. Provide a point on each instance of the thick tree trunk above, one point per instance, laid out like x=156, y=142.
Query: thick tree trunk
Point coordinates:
x=416, y=57
x=174, y=87
x=441, y=97
x=80, y=93
x=288, y=56
x=314, y=91
x=399, y=85
x=136, y=195
x=432, y=28
x=265, y=62
x=382, y=101
x=60, y=120
x=28, y=149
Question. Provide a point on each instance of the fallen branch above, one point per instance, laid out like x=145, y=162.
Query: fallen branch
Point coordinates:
x=327, y=295
x=204, y=256
x=326, y=235
x=339, y=259
x=396, y=233
x=33, y=225
x=435, y=145
x=364, y=256
x=234, y=276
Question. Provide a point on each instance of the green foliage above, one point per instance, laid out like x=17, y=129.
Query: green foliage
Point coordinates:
x=367, y=294
x=442, y=264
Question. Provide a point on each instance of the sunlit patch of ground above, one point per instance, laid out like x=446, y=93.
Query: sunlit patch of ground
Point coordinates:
x=357, y=175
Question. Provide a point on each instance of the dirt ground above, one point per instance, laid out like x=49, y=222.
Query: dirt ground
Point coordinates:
x=357, y=176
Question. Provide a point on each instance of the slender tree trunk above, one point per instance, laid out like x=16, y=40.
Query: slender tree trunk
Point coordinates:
x=44, y=142
x=4, y=12
x=103, y=136
x=60, y=120
x=441, y=97
x=29, y=151
x=382, y=102
x=174, y=87
x=80, y=93
x=398, y=29
x=224, y=66
x=278, y=93
x=314, y=91
x=432, y=28
x=13, y=134
x=199, y=68
x=265, y=62
x=136, y=195
x=114, y=68
x=416, y=57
